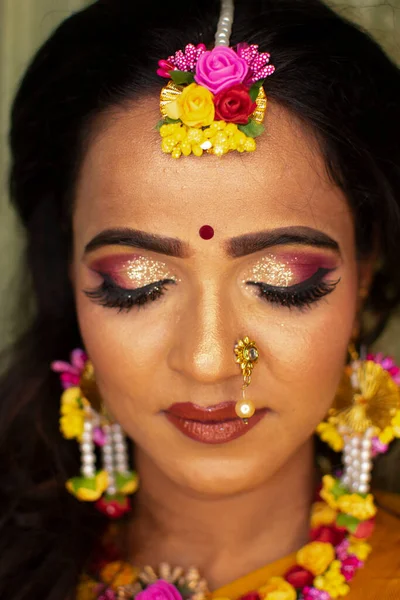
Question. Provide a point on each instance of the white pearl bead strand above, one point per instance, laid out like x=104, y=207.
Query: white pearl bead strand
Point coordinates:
x=224, y=30
x=120, y=449
x=88, y=456
x=108, y=460
x=357, y=460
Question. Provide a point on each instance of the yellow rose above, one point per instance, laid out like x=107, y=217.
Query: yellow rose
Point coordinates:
x=277, y=589
x=358, y=507
x=70, y=400
x=322, y=514
x=119, y=573
x=194, y=106
x=333, y=581
x=71, y=424
x=330, y=435
x=316, y=557
x=328, y=483
x=359, y=548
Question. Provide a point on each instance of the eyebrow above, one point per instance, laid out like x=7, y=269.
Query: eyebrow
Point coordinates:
x=305, y=236
x=235, y=247
x=139, y=239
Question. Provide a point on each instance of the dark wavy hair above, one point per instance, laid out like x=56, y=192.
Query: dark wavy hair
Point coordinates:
x=331, y=75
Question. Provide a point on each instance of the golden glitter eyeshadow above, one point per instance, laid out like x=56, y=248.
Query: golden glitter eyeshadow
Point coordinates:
x=272, y=271
x=143, y=271
x=133, y=271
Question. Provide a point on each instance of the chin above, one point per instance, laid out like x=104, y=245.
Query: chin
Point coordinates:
x=217, y=476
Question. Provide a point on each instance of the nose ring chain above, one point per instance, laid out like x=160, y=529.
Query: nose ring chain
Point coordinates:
x=247, y=355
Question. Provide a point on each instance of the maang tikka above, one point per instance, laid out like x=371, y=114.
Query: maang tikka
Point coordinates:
x=84, y=418
x=214, y=101
x=247, y=355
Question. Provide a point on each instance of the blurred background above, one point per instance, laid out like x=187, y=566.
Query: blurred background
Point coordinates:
x=24, y=25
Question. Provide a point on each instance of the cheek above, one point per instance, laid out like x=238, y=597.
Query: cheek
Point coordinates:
x=126, y=349
x=305, y=354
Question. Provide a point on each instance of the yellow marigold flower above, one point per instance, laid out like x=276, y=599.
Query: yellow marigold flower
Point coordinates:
x=86, y=589
x=194, y=106
x=330, y=435
x=71, y=424
x=119, y=573
x=327, y=484
x=357, y=506
x=277, y=589
x=70, y=400
x=387, y=435
x=322, y=514
x=333, y=581
x=316, y=557
x=360, y=548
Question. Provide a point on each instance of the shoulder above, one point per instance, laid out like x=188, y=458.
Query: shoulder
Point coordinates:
x=380, y=578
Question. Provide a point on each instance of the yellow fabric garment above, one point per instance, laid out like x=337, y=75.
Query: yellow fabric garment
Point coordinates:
x=378, y=580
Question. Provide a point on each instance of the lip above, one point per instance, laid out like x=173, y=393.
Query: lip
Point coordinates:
x=217, y=424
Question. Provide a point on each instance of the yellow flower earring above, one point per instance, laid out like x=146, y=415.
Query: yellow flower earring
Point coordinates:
x=247, y=355
x=365, y=416
x=84, y=418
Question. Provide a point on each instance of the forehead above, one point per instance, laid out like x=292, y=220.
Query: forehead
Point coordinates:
x=127, y=181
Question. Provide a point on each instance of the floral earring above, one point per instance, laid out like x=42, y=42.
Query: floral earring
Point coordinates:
x=83, y=417
x=365, y=417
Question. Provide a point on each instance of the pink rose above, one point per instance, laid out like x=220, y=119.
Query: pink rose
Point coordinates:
x=220, y=68
x=161, y=590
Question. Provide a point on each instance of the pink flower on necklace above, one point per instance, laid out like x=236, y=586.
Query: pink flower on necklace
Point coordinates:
x=258, y=62
x=161, y=590
x=350, y=565
x=342, y=550
x=70, y=373
x=310, y=593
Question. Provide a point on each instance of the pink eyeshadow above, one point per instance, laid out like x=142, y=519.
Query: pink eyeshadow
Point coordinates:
x=288, y=269
x=132, y=270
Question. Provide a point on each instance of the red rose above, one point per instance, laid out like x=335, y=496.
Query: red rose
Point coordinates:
x=328, y=534
x=299, y=577
x=234, y=105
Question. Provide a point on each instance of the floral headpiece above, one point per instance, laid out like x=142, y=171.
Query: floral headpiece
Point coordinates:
x=215, y=100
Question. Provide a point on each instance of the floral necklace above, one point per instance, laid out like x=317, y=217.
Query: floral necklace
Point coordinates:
x=341, y=523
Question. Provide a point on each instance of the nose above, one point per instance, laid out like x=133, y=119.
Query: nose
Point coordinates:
x=203, y=348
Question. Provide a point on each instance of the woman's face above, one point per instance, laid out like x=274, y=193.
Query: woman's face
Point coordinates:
x=281, y=269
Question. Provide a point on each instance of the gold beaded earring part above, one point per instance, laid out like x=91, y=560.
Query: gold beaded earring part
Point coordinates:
x=247, y=355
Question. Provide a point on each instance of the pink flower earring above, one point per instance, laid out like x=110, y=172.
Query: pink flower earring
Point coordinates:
x=84, y=418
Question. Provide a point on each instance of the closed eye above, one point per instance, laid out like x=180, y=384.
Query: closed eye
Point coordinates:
x=110, y=295
x=302, y=294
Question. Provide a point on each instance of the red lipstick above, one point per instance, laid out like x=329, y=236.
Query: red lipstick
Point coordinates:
x=213, y=424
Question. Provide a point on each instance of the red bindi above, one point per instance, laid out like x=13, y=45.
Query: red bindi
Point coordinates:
x=206, y=232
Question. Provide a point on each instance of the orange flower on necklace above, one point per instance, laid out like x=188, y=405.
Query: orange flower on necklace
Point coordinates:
x=316, y=557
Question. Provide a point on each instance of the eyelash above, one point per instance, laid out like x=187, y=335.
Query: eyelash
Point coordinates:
x=301, y=295
x=110, y=295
